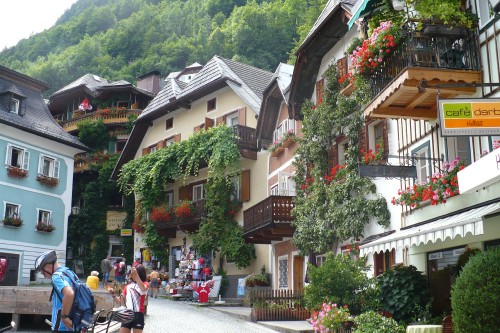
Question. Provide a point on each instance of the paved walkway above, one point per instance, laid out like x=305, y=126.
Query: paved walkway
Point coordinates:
x=179, y=316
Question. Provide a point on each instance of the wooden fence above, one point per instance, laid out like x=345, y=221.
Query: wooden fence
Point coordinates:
x=278, y=305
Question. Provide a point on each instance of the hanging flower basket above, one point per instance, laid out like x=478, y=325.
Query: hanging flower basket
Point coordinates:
x=12, y=222
x=47, y=181
x=46, y=227
x=15, y=172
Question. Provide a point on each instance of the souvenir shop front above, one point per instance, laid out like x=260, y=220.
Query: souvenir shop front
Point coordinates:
x=192, y=274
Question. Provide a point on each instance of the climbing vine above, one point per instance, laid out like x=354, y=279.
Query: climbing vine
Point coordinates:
x=216, y=147
x=333, y=205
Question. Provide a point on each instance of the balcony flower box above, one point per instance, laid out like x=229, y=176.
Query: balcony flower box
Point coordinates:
x=184, y=209
x=45, y=227
x=47, y=181
x=279, y=146
x=15, y=172
x=15, y=222
x=161, y=214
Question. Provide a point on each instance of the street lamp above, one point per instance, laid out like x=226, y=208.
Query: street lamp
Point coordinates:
x=75, y=210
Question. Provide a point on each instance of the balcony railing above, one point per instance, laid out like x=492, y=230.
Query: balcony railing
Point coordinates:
x=247, y=138
x=269, y=212
x=181, y=222
x=436, y=47
x=118, y=118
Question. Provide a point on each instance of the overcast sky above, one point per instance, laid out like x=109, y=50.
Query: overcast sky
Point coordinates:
x=22, y=18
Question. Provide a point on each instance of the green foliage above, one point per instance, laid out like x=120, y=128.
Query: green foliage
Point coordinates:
x=258, y=279
x=464, y=258
x=372, y=322
x=129, y=125
x=216, y=147
x=451, y=12
x=156, y=243
x=224, y=282
x=94, y=134
x=339, y=280
x=404, y=291
x=331, y=209
x=474, y=296
x=123, y=39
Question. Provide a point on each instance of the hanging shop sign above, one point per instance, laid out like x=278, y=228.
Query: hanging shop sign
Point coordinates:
x=125, y=232
x=387, y=171
x=471, y=116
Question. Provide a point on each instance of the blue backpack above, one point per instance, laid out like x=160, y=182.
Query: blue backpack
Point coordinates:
x=83, y=308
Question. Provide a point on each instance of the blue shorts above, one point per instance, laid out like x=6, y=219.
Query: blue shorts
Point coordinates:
x=105, y=276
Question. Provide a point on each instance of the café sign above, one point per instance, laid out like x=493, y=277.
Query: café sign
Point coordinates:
x=471, y=116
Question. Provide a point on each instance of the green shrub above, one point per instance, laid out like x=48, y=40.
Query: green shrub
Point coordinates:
x=372, y=322
x=339, y=280
x=475, y=297
x=404, y=291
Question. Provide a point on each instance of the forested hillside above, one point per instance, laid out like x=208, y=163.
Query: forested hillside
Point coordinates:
x=122, y=39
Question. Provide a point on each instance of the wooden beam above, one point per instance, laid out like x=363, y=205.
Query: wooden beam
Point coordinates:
x=398, y=112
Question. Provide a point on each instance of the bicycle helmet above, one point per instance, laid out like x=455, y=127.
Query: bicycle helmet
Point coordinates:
x=123, y=315
x=45, y=258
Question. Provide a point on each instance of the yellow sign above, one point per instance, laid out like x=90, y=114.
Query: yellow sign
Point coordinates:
x=125, y=232
x=469, y=116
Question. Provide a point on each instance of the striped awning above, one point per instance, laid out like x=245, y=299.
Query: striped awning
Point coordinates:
x=460, y=224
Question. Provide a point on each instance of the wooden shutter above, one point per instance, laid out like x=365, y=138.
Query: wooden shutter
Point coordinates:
x=242, y=116
x=245, y=185
x=333, y=157
x=160, y=144
x=363, y=138
x=219, y=120
x=209, y=123
x=26, y=160
x=320, y=87
x=57, y=166
x=184, y=193
x=145, y=151
x=342, y=67
x=177, y=137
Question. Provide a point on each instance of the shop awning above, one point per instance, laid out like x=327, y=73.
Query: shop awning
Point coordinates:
x=360, y=8
x=460, y=224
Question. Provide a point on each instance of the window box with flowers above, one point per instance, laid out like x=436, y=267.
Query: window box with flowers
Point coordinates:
x=160, y=214
x=15, y=172
x=47, y=181
x=184, y=209
x=15, y=222
x=45, y=226
x=280, y=145
x=442, y=185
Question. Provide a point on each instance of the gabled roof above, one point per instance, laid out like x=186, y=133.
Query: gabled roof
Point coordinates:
x=90, y=81
x=246, y=81
x=274, y=94
x=37, y=118
x=329, y=29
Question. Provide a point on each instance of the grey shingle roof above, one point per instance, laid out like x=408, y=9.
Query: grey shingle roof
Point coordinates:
x=247, y=81
x=91, y=81
x=37, y=118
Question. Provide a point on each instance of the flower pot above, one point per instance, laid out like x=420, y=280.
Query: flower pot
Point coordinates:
x=444, y=30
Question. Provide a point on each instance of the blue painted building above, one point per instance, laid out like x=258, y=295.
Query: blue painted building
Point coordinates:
x=36, y=186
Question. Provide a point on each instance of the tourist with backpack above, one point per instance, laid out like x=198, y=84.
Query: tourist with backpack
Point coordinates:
x=73, y=303
x=133, y=296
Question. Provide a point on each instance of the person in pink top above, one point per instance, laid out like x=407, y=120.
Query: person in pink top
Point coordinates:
x=133, y=297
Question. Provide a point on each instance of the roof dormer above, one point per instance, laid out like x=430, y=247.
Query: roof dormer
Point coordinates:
x=13, y=100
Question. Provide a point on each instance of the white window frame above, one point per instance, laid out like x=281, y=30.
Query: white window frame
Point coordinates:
x=372, y=140
x=286, y=185
x=342, y=151
x=152, y=149
x=46, y=216
x=169, y=141
x=283, y=276
x=453, y=151
x=422, y=162
x=16, y=212
x=483, y=11
x=275, y=189
x=320, y=260
x=54, y=166
x=14, y=105
x=236, y=194
x=230, y=118
x=287, y=125
x=169, y=198
x=23, y=157
x=195, y=192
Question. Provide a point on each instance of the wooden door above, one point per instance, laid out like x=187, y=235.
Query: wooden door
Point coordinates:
x=298, y=273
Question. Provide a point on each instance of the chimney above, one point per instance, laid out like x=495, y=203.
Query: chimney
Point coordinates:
x=150, y=82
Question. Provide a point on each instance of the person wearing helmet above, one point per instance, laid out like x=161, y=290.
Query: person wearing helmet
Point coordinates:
x=47, y=265
x=133, y=296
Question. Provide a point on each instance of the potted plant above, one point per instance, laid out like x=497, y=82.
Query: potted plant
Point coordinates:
x=45, y=226
x=160, y=214
x=47, y=181
x=16, y=172
x=184, y=209
x=444, y=13
x=12, y=221
x=258, y=279
x=331, y=318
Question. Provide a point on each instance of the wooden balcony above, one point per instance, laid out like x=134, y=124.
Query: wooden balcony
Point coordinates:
x=190, y=223
x=107, y=119
x=404, y=86
x=247, y=141
x=269, y=220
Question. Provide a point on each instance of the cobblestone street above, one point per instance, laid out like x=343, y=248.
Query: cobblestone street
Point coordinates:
x=180, y=317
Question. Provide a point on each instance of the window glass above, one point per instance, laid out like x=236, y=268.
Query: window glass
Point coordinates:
x=485, y=11
x=343, y=147
x=283, y=273
x=198, y=193
x=152, y=149
x=235, y=195
x=211, y=105
x=422, y=162
x=169, y=198
x=44, y=217
x=11, y=210
x=232, y=119
x=14, y=105
x=458, y=147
